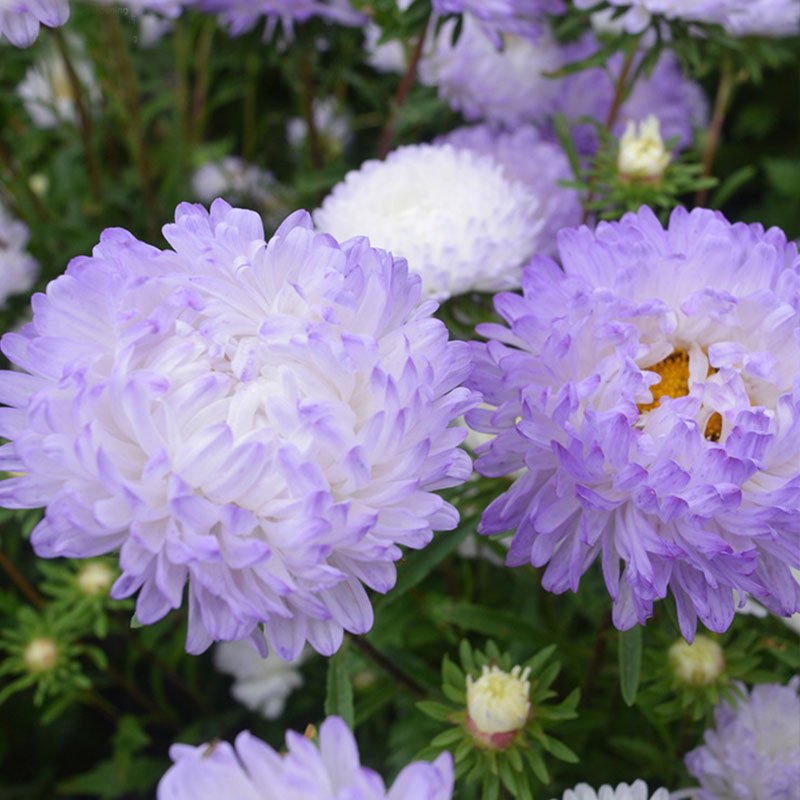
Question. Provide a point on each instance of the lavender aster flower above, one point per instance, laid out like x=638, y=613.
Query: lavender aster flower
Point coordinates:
x=252, y=770
x=460, y=222
x=636, y=791
x=539, y=164
x=20, y=19
x=502, y=86
x=739, y=17
x=242, y=15
x=520, y=17
x=650, y=389
x=679, y=104
x=753, y=750
x=18, y=269
x=265, y=421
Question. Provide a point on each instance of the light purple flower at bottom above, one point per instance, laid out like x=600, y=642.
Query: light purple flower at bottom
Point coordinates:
x=753, y=750
x=331, y=770
x=20, y=19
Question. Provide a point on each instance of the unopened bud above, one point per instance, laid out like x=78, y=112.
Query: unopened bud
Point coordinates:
x=697, y=664
x=498, y=705
x=642, y=155
x=40, y=654
x=39, y=183
x=95, y=578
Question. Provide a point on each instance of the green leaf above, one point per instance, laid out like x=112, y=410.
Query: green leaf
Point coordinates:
x=536, y=762
x=630, y=663
x=339, y=693
x=558, y=749
x=447, y=738
x=439, y=711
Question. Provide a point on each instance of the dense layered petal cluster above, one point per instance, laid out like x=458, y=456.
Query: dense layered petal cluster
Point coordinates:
x=452, y=212
x=18, y=269
x=738, y=17
x=20, y=19
x=753, y=750
x=243, y=15
x=331, y=770
x=650, y=390
x=679, y=104
x=504, y=86
x=636, y=791
x=265, y=421
x=535, y=161
x=520, y=17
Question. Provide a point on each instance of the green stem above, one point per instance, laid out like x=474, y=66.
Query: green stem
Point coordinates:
x=84, y=119
x=387, y=135
x=25, y=587
x=200, y=97
x=721, y=104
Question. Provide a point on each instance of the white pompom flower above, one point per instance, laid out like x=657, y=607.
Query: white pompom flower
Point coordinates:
x=460, y=222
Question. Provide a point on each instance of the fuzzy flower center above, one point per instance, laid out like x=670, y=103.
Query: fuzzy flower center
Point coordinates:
x=674, y=372
x=498, y=702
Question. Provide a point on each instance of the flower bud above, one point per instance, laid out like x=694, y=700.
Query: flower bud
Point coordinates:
x=95, y=578
x=40, y=654
x=641, y=151
x=498, y=705
x=697, y=664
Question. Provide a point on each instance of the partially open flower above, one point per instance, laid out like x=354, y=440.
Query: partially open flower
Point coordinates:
x=40, y=654
x=642, y=155
x=498, y=704
x=697, y=664
x=95, y=578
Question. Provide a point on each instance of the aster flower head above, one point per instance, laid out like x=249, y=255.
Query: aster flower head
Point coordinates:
x=20, y=19
x=452, y=212
x=330, y=770
x=738, y=17
x=520, y=17
x=243, y=15
x=18, y=269
x=649, y=390
x=506, y=87
x=753, y=750
x=636, y=791
x=529, y=157
x=266, y=422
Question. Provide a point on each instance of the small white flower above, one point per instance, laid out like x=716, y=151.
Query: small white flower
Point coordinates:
x=96, y=578
x=47, y=91
x=452, y=213
x=697, y=664
x=636, y=791
x=330, y=122
x=499, y=702
x=40, y=654
x=260, y=684
x=18, y=269
x=641, y=150
x=233, y=179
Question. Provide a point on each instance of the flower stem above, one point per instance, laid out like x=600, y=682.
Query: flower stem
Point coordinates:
x=22, y=583
x=721, y=104
x=308, y=112
x=598, y=657
x=387, y=135
x=387, y=665
x=200, y=96
x=134, y=107
x=85, y=120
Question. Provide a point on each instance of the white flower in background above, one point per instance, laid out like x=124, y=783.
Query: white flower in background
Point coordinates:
x=47, y=91
x=387, y=57
x=636, y=791
x=259, y=684
x=95, y=578
x=451, y=212
x=642, y=155
x=40, y=654
x=330, y=122
x=18, y=269
x=233, y=179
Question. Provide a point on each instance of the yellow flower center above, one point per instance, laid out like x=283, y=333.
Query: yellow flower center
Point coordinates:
x=499, y=701
x=674, y=372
